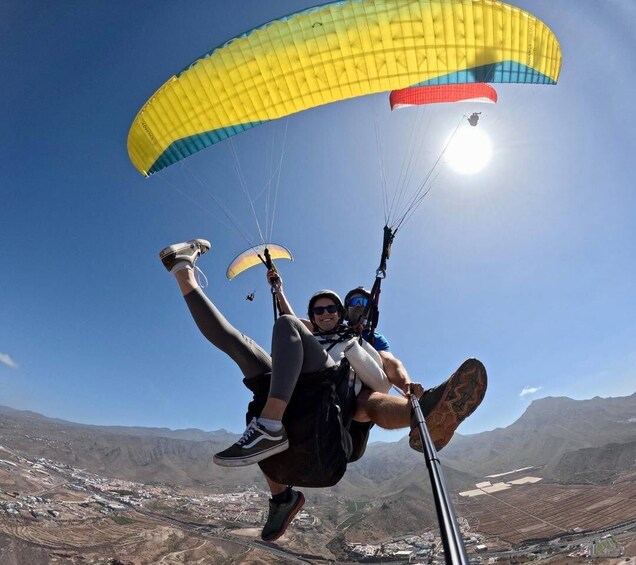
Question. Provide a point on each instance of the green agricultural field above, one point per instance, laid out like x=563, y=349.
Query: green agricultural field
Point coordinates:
x=605, y=546
x=122, y=520
x=356, y=506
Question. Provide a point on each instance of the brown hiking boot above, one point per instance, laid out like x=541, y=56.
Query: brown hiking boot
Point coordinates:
x=447, y=405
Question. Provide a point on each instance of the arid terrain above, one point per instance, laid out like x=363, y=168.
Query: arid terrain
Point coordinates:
x=71, y=493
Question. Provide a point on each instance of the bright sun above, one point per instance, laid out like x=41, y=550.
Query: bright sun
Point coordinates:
x=469, y=151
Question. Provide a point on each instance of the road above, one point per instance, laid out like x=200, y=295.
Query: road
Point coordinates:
x=212, y=532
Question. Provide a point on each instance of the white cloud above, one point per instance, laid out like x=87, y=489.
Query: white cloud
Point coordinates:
x=6, y=359
x=529, y=390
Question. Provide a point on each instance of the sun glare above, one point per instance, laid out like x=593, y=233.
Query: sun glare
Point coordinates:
x=469, y=151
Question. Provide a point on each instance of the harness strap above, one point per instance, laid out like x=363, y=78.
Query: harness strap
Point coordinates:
x=271, y=267
x=389, y=235
x=342, y=336
x=372, y=320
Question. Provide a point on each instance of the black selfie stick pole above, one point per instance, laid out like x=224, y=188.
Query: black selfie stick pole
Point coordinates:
x=454, y=549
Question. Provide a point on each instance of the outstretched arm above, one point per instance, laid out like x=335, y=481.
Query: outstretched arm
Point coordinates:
x=276, y=282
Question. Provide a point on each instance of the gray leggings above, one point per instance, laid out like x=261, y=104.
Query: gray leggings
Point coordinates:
x=294, y=349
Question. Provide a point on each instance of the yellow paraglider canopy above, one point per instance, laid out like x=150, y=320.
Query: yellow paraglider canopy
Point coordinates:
x=256, y=255
x=333, y=52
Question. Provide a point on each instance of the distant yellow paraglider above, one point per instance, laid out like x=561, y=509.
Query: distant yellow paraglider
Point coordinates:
x=255, y=256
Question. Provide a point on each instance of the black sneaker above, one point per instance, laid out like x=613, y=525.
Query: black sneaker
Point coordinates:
x=188, y=251
x=281, y=515
x=256, y=443
x=447, y=405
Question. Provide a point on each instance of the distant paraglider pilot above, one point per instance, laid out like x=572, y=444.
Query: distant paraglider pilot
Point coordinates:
x=473, y=119
x=250, y=296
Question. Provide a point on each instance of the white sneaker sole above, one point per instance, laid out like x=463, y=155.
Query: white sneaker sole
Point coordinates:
x=251, y=459
x=204, y=246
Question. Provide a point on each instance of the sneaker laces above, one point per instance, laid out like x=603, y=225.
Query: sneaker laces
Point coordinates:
x=201, y=278
x=252, y=428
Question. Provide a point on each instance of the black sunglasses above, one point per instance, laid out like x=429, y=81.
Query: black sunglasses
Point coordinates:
x=332, y=309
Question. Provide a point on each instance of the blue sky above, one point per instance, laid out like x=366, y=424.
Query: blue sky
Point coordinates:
x=528, y=265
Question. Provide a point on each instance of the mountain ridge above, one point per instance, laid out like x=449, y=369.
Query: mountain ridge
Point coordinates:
x=553, y=433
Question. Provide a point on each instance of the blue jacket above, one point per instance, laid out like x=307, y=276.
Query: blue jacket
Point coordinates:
x=379, y=342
